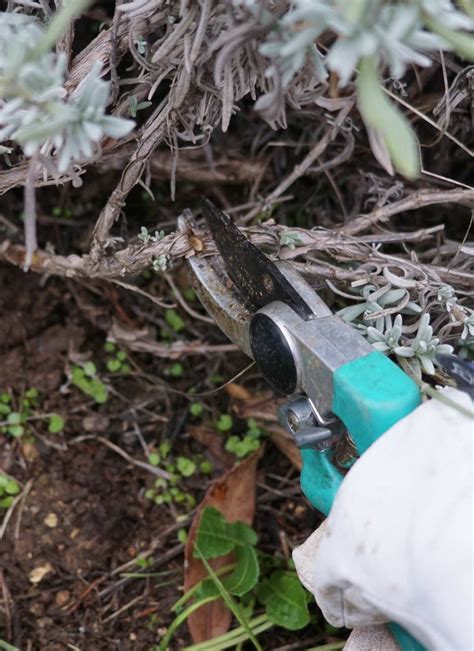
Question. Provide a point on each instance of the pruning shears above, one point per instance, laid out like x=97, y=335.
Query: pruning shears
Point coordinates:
x=342, y=393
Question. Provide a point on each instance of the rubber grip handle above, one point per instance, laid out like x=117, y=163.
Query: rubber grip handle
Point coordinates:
x=319, y=479
x=371, y=394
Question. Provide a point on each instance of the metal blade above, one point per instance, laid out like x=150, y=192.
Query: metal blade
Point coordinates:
x=256, y=277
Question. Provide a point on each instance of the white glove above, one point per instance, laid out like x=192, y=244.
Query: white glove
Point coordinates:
x=398, y=543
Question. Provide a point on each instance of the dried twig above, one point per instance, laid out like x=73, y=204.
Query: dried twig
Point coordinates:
x=413, y=201
x=154, y=470
x=21, y=496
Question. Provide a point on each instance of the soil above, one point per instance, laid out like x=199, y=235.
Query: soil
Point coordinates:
x=83, y=520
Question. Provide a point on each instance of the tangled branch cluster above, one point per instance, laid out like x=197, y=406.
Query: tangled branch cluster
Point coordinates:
x=182, y=69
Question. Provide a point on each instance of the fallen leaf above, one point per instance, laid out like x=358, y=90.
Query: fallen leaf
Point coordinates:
x=233, y=495
x=214, y=442
x=262, y=407
x=38, y=574
x=286, y=444
x=238, y=392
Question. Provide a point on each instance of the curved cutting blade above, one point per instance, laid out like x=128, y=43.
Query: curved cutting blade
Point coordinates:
x=257, y=278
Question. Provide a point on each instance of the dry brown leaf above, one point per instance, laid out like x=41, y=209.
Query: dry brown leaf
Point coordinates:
x=238, y=392
x=214, y=442
x=286, y=444
x=263, y=407
x=233, y=495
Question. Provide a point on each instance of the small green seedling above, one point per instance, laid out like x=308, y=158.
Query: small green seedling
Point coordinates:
x=56, y=424
x=9, y=488
x=110, y=347
x=186, y=467
x=140, y=44
x=167, y=491
x=196, y=409
x=154, y=459
x=206, y=467
x=225, y=423
x=146, y=237
x=15, y=413
x=117, y=361
x=189, y=294
x=244, y=446
x=14, y=425
x=289, y=239
x=144, y=563
x=32, y=396
x=58, y=211
x=157, y=456
x=85, y=378
x=175, y=370
x=160, y=263
x=134, y=106
x=174, y=320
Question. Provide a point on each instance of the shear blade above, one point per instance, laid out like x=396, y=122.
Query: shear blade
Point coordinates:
x=256, y=277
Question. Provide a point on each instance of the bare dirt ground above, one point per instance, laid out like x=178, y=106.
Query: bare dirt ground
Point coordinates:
x=82, y=519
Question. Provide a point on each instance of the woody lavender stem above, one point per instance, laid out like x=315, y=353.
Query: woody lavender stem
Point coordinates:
x=31, y=243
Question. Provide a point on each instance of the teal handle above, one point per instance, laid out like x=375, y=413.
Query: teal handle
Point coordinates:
x=370, y=394
x=319, y=479
x=404, y=640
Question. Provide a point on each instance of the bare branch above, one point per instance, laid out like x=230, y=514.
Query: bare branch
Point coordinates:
x=413, y=201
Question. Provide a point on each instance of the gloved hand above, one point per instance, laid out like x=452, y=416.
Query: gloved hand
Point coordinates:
x=398, y=542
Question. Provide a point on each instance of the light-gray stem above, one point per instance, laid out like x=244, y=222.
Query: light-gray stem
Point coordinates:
x=31, y=243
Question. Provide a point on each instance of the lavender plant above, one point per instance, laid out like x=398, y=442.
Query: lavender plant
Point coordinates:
x=415, y=355
x=371, y=37
x=36, y=112
x=379, y=312
x=54, y=128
